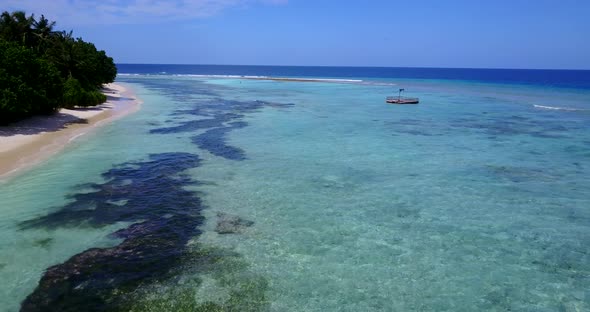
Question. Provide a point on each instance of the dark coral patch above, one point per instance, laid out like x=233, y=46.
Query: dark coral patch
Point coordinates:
x=514, y=125
x=165, y=216
x=222, y=116
x=214, y=141
x=149, y=189
x=97, y=279
x=520, y=174
x=193, y=125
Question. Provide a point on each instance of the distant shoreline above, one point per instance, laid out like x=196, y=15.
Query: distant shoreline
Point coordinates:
x=29, y=142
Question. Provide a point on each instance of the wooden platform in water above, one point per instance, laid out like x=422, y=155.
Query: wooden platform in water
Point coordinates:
x=401, y=100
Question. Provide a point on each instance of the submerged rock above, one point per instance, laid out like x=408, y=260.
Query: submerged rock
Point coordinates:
x=43, y=242
x=229, y=224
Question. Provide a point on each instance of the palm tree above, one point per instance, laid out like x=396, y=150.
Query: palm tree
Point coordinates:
x=43, y=27
x=17, y=27
x=43, y=31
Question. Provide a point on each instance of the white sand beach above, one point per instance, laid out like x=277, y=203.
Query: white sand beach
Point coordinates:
x=31, y=141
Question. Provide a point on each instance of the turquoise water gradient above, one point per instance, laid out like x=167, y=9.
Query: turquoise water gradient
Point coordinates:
x=474, y=200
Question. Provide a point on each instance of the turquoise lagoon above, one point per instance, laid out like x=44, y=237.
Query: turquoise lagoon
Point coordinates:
x=327, y=199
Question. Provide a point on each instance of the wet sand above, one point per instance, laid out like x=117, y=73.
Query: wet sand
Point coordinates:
x=31, y=141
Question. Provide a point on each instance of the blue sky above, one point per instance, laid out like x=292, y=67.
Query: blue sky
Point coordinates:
x=410, y=33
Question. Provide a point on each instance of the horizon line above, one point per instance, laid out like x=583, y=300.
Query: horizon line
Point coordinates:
x=356, y=66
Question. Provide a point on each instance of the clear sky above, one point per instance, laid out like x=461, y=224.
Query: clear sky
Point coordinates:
x=410, y=33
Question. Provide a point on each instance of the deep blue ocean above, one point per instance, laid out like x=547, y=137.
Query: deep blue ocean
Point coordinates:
x=542, y=77
x=231, y=191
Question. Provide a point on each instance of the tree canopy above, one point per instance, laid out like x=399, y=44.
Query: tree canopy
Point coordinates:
x=42, y=70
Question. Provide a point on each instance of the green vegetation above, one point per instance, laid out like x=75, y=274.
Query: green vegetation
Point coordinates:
x=42, y=70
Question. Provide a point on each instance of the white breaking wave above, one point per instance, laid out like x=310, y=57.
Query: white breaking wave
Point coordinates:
x=273, y=78
x=559, y=108
x=297, y=79
x=378, y=83
x=221, y=76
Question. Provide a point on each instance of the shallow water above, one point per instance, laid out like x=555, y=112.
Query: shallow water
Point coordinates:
x=475, y=199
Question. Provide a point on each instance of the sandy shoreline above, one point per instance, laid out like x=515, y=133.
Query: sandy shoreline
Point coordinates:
x=31, y=141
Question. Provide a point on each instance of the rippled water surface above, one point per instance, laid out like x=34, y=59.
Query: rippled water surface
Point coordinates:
x=256, y=195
